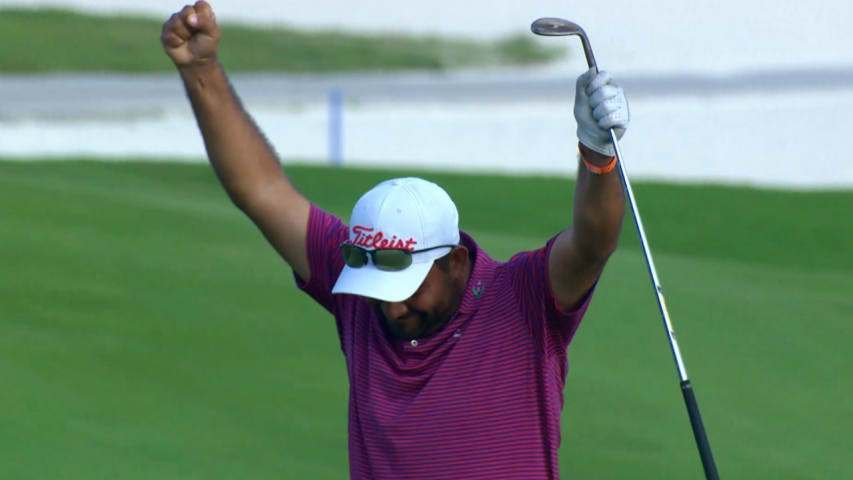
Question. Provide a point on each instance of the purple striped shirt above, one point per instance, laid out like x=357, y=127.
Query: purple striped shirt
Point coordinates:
x=480, y=399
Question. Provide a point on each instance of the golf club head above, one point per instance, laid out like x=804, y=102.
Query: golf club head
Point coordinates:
x=558, y=27
x=555, y=27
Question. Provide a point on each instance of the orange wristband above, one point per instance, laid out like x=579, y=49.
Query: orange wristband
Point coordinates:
x=599, y=170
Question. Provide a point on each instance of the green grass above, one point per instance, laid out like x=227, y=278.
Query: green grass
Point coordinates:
x=55, y=40
x=147, y=331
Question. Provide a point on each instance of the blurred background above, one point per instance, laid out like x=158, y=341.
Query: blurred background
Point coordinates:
x=774, y=79
x=148, y=331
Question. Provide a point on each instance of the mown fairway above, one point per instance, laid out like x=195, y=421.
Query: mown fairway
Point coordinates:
x=147, y=331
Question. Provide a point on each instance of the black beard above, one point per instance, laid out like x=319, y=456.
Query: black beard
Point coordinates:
x=429, y=324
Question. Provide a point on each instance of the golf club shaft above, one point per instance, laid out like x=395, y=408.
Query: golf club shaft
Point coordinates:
x=686, y=389
x=638, y=221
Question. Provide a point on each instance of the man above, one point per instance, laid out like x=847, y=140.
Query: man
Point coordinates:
x=456, y=362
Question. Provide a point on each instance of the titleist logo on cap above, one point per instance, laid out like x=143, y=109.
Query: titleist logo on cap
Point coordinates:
x=364, y=237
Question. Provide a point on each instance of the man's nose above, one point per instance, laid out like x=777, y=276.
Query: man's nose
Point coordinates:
x=394, y=310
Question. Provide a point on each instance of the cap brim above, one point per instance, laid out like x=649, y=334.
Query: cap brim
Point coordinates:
x=388, y=286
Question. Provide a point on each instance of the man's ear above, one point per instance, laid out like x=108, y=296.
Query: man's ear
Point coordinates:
x=459, y=259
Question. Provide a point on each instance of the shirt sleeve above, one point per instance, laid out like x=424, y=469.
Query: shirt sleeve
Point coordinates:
x=326, y=232
x=532, y=283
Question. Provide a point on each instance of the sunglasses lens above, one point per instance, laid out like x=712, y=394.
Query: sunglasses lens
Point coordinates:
x=389, y=259
x=353, y=256
x=392, y=259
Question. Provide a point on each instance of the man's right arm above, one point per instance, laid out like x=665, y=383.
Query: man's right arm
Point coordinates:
x=243, y=159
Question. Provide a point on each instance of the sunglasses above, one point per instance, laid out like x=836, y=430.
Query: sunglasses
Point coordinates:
x=389, y=259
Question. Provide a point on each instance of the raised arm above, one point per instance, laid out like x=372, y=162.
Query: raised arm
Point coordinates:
x=579, y=253
x=243, y=159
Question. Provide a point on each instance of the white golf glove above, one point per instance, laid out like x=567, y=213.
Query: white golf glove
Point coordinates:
x=600, y=106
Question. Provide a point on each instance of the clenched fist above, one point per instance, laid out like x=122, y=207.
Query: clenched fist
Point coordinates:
x=190, y=37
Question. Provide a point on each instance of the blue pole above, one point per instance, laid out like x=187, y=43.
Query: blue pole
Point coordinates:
x=336, y=155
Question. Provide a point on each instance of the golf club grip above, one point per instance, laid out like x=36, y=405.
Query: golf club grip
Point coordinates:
x=699, y=432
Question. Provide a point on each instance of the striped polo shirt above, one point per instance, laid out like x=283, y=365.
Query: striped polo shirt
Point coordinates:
x=480, y=399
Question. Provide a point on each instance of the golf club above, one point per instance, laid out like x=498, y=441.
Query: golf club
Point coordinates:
x=557, y=27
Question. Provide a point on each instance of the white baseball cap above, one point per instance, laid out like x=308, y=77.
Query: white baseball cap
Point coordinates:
x=403, y=213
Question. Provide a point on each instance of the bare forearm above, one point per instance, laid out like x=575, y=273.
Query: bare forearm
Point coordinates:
x=599, y=208
x=245, y=162
x=242, y=158
x=579, y=254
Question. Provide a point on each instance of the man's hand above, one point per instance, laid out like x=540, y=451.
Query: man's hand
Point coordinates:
x=600, y=106
x=190, y=37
